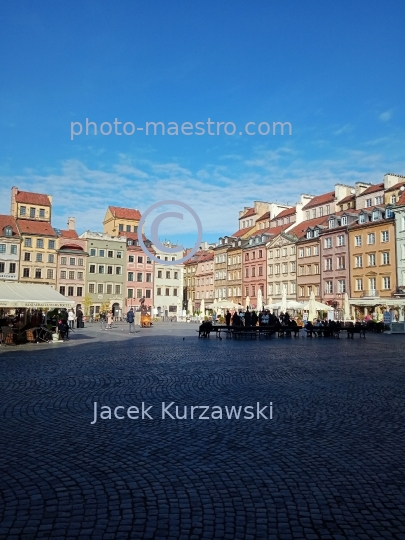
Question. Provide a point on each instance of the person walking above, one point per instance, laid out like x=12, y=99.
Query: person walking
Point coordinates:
x=130, y=320
x=71, y=318
x=103, y=319
x=109, y=320
x=228, y=319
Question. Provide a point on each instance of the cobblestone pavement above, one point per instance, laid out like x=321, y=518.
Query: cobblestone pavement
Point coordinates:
x=328, y=465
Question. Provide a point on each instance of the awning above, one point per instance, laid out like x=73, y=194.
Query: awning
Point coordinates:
x=27, y=295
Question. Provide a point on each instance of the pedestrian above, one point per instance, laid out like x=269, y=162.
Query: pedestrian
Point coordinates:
x=228, y=319
x=109, y=320
x=103, y=319
x=71, y=318
x=79, y=317
x=130, y=320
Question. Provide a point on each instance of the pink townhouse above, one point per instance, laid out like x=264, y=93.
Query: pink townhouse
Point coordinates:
x=139, y=272
x=204, y=278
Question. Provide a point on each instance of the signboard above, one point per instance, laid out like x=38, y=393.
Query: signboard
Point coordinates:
x=305, y=316
x=8, y=276
x=387, y=317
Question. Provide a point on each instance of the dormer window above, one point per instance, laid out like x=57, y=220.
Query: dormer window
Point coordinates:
x=130, y=242
x=8, y=231
x=316, y=233
x=344, y=220
x=388, y=213
x=362, y=218
x=240, y=243
x=331, y=223
x=251, y=241
x=309, y=233
x=393, y=199
x=375, y=215
x=226, y=240
x=257, y=239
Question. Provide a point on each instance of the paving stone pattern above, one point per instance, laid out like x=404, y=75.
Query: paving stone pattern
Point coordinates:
x=329, y=465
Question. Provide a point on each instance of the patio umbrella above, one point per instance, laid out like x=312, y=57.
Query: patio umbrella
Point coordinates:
x=259, y=300
x=284, y=300
x=312, y=307
x=202, y=307
x=290, y=304
x=268, y=306
x=346, y=308
x=247, y=301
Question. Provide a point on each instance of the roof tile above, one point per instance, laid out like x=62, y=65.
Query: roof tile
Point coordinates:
x=28, y=226
x=125, y=213
x=32, y=198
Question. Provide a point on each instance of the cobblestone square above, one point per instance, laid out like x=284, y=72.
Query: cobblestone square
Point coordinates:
x=328, y=465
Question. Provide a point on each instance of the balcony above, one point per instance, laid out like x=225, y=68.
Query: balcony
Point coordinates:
x=399, y=292
x=371, y=293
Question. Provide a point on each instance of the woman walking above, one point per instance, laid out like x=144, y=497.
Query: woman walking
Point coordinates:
x=71, y=318
x=109, y=320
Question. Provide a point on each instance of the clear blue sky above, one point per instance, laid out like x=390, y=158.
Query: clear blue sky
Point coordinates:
x=334, y=70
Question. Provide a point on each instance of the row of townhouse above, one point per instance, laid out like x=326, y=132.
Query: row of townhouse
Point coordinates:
x=349, y=240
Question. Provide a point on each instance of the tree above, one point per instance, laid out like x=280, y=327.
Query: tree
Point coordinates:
x=87, y=302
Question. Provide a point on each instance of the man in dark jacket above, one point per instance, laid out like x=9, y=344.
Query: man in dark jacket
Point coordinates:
x=228, y=318
x=130, y=320
x=79, y=315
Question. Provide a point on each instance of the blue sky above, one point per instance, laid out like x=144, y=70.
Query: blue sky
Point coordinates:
x=334, y=70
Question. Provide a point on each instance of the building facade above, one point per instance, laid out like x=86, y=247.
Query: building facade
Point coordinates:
x=121, y=220
x=139, y=272
x=168, y=282
x=10, y=242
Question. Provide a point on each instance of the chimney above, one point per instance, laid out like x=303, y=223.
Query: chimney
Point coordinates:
x=360, y=187
x=71, y=223
x=391, y=179
x=14, y=191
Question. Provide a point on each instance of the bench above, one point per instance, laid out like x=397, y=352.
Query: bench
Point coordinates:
x=356, y=330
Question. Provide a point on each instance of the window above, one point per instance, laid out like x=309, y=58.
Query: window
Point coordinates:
x=159, y=291
x=130, y=293
x=72, y=261
x=393, y=199
x=51, y=258
x=91, y=288
x=38, y=273
x=301, y=252
x=302, y=270
x=340, y=263
x=27, y=242
x=321, y=211
x=119, y=254
x=70, y=291
x=277, y=269
x=167, y=292
x=118, y=270
x=63, y=274
x=175, y=275
x=254, y=271
x=247, y=272
x=63, y=260
x=261, y=270
x=328, y=209
x=109, y=289
x=372, y=285
x=344, y=220
x=358, y=261
x=316, y=268
x=27, y=256
x=79, y=291
x=2, y=248
x=139, y=276
x=100, y=288
x=41, y=212
x=331, y=223
x=384, y=236
x=130, y=276
x=341, y=240
x=159, y=274
x=316, y=233
x=371, y=259
x=328, y=264
x=385, y=257
x=13, y=249
x=2, y=267
x=357, y=241
x=309, y=269
x=271, y=252
x=307, y=215
x=13, y=268
x=92, y=269
x=79, y=276
x=101, y=269
x=316, y=250
x=371, y=238
x=168, y=274
x=277, y=253
x=386, y=283
x=38, y=257
x=375, y=215
x=328, y=243
x=148, y=293
x=302, y=291
x=309, y=233
x=92, y=252
x=62, y=290
x=51, y=244
x=23, y=210
x=379, y=199
x=359, y=284
x=308, y=251
x=362, y=218
x=314, y=213
x=369, y=202
x=101, y=252
x=292, y=266
x=121, y=227
x=140, y=260
x=71, y=274
x=388, y=213
x=271, y=270
x=149, y=277
x=26, y=272
x=328, y=287
x=341, y=286
x=32, y=212
x=174, y=292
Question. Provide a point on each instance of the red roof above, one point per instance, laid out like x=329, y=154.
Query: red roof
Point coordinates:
x=131, y=235
x=373, y=189
x=300, y=229
x=32, y=198
x=69, y=234
x=125, y=213
x=264, y=217
x=275, y=230
x=347, y=199
x=397, y=186
x=8, y=220
x=320, y=199
x=27, y=226
x=401, y=199
x=249, y=212
x=241, y=232
x=204, y=256
x=285, y=213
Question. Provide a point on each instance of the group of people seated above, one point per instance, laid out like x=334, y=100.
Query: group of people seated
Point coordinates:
x=329, y=328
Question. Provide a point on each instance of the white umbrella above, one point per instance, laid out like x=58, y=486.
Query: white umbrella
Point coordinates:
x=312, y=307
x=319, y=306
x=346, y=308
x=202, y=307
x=259, y=300
x=290, y=304
x=247, y=301
x=269, y=306
x=190, y=307
x=284, y=300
